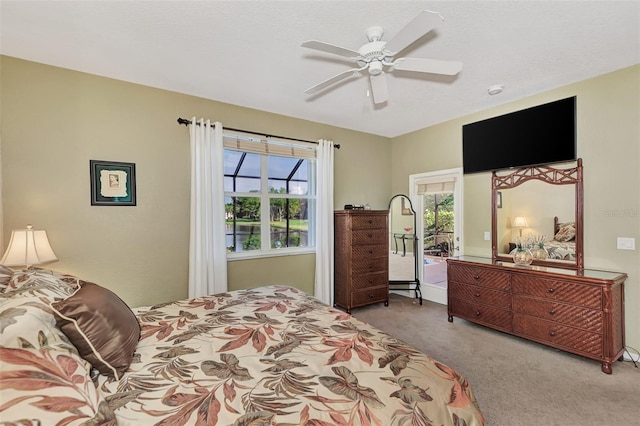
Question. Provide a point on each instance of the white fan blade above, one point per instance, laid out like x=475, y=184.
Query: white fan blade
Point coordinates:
x=432, y=66
x=330, y=48
x=379, y=88
x=332, y=80
x=415, y=29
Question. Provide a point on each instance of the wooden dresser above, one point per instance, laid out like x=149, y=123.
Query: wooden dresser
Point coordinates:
x=361, y=258
x=578, y=312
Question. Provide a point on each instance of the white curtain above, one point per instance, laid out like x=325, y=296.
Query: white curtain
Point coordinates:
x=207, y=251
x=324, y=226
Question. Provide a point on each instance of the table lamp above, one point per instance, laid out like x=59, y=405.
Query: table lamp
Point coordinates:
x=520, y=222
x=28, y=247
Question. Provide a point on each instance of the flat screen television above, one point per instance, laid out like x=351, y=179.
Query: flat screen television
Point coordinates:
x=542, y=134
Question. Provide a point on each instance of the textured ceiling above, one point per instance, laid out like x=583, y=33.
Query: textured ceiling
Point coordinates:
x=248, y=53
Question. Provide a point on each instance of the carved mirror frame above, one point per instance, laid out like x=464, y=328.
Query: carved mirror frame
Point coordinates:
x=550, y=175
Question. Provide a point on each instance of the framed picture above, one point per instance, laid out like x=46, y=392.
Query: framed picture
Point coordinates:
x=499, y=199
x=112, y=183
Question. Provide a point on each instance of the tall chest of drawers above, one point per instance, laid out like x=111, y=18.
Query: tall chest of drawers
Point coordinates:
x=578, y=312
x=361, y=251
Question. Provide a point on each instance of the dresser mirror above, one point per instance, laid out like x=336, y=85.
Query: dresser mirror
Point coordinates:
x=403, y=244
x=539, y=207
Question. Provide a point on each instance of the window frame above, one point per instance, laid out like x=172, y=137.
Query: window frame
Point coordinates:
x=265, y=204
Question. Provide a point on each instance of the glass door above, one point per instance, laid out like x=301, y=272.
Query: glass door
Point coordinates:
x=438, y=203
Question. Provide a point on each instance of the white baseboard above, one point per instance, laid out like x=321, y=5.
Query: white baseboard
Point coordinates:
x=627, y=357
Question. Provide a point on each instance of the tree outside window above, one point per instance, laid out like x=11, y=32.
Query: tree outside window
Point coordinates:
x=438, y=223
x=267, y=198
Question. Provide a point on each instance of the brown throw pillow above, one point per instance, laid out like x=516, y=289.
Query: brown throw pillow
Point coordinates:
x=101, y=326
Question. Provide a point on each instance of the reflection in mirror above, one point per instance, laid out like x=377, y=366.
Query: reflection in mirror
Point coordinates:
x=539, y=208
x=528, y=212
x=403, y=243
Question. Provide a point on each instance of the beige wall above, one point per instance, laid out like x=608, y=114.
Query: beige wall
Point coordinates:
x=608, y=128
x=55, y=120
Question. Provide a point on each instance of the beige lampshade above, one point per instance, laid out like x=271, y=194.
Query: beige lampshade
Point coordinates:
x=28, y=247
x=520, y=222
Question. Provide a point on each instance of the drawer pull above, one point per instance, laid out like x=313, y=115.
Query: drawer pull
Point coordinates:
x=370, y=251
x=477, y=313
x=370, y=221
x=552, y=333
x=477, y=294
x=371, y=296
x=552, y=312
x=370, y=266
x=370, y=281
x=551, y=290
x=476, y=277
x=370, y=235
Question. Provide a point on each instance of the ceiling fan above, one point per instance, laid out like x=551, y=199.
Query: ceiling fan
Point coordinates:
x=377, y=56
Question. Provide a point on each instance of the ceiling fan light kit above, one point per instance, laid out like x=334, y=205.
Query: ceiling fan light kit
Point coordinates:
x=377, y=56
x=375, y=67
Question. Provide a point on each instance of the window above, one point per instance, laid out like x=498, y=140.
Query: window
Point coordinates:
x=438, y=223
x=269, y=197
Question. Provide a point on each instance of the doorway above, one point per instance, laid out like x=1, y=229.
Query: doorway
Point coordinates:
x=437, y=197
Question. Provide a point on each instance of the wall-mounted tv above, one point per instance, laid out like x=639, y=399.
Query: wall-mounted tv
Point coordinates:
x=542, y=134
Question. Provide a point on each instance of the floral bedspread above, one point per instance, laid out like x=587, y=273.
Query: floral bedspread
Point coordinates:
x=558, y=250
x=274, y=355
x=561, y=250
x=266, y=356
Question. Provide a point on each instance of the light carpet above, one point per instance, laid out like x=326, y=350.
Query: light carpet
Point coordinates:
x=516, y=382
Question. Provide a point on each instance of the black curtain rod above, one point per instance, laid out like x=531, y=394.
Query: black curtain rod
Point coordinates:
x=187, y=122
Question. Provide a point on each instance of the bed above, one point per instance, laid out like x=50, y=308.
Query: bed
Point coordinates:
x=563, y=244
x=268, y=355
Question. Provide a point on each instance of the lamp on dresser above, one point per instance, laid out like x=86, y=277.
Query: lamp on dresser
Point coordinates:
x=520, y=222
x=28, y=247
